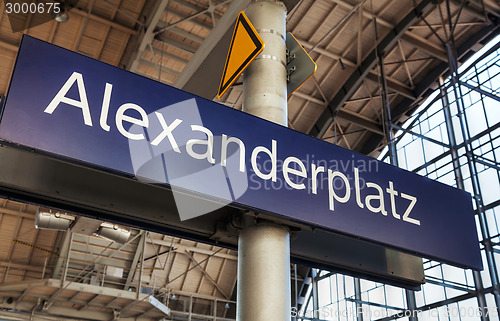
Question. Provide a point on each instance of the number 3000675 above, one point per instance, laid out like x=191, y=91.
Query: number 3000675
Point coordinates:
x=24, y=7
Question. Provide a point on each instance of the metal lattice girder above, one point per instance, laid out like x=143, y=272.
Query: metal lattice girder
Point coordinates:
x=423, y=88
x=411, y=38
x=360, y=73
x=197, y=264
x=481, y=91
x=135, y=261
x=147, y=36
x=361, y=121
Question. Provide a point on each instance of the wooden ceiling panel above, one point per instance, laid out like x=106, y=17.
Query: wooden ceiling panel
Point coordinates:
x=309, y=115
x=198, y=30
x=331, y=21
x=390, y=10
x=104, y=8
x=95, y=29
x=114, y=40
x=7, y=57
x=6, y=29
x=129, y=12
x=67, y=35
x=41, y=31
x=8, y=227
x=298, y=14
x=89, y=46
x=307, y=29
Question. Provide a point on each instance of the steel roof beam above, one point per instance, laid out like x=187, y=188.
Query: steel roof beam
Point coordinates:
x=431, y=78
x=391, y=84
x=181, y=248
x=167, y=55
x=164, y=69
x=425, y=45
x=360, y=121
x=104, y=21
x=360, y=73
x=475, y=7
x=24, y=309
x=196, y=8
x=410, y=38
x=17, y=266
x=198, y=264
x=200, y=23
x=422, y=89
x=176, y=43
x=89, y=302
x=147, y=36
x=188, y=35
x=308, y=98
x=64, y=248
x=135, y=261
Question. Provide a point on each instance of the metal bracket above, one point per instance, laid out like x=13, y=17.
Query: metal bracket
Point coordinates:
x=289, y=57
x=289, y=68
x=289, y=71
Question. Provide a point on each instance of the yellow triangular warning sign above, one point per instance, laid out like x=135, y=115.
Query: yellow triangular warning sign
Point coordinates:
x=245, y=46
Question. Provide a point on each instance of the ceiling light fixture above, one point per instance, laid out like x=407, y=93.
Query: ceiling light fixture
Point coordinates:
x=62, y=14
x=53, y=221
x=113, y=232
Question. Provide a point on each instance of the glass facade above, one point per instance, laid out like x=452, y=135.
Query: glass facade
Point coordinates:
x=454, y=138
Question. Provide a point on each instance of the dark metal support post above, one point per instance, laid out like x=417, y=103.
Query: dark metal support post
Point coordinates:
x=471, y=163
x=315, y=293
x=357, y=296
x=478, y=282
x=411, y=304
x=386, y=112
x=393, y=156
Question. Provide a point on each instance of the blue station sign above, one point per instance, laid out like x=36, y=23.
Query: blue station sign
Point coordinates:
x=75, y=108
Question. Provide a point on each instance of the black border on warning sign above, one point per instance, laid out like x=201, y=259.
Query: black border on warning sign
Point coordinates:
x=259, y=46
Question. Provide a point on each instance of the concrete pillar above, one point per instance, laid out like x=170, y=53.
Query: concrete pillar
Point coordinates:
x=264, y=274
x=264, y=81
x=264, y=248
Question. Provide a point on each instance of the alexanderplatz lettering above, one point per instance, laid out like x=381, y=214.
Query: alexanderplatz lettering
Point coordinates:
x=292, y=166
